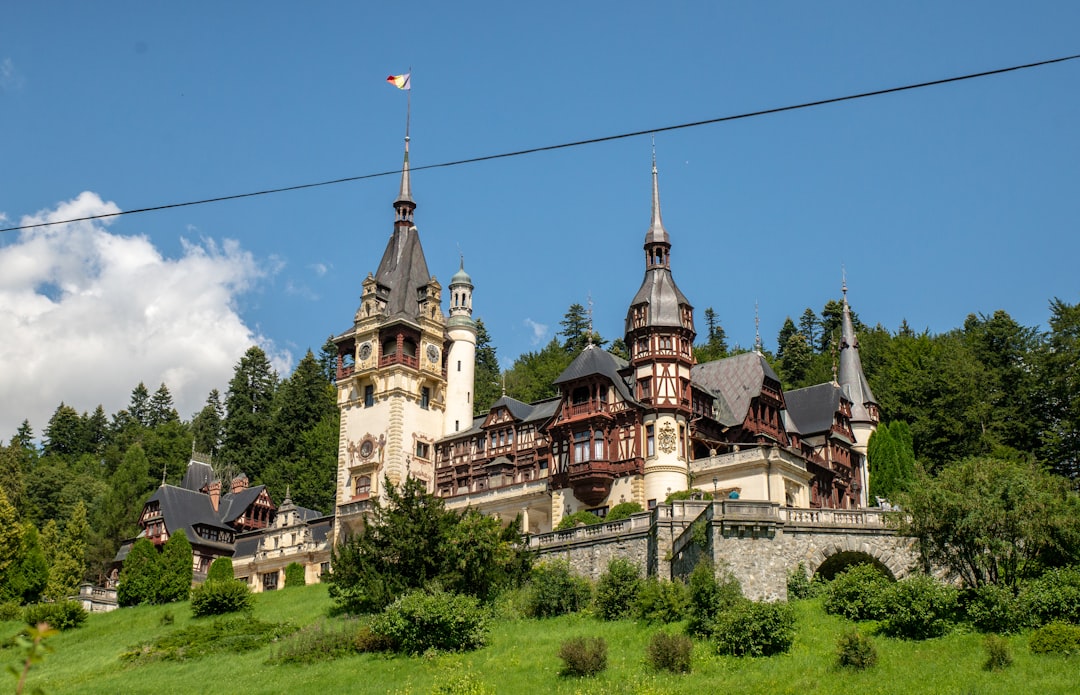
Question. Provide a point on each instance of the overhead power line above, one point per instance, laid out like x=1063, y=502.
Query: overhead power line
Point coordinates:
x=576, y=143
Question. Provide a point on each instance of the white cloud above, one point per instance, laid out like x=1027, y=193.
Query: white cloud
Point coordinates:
x=539, y=331
x=10, y=78
x=319, y=269
x=86, y=315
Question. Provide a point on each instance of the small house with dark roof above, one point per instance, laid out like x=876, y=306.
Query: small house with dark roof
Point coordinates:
x=210, y=520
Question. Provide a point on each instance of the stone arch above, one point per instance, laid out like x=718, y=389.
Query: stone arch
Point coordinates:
x=831, y=554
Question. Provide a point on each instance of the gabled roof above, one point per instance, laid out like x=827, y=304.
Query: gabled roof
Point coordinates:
x=595, y=361
x=734, y=381
x=813, y=408
x=184, y=509
x=197, y=475
x=233, y=505
x=518, y=410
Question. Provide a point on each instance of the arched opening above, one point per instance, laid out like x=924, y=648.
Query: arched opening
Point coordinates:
x=835, y=564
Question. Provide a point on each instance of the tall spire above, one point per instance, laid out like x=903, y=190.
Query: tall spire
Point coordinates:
x=850, y=375
x=657, y=234
x=405, y=203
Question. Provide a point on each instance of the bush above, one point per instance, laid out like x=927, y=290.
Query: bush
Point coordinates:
x=317, y=642
x=140, y=576
x=433, y=619
x=554, y=590
x=62, y=615
x=858, y=593
x=617, y=590
x=578, y=519
x=622, y=511
x=998, y=654
x=855, y=650
x=1055, y=596
x=660, y=601
x=993, y=608
x=176, y=569
x=220, y=568
x=919, y=607
x=583, y=656
x=10, y=610
x=1056, y=638
x=709, y=597
x=670, y=652
x=217, y=597
x=367, y=642
x=755, y=629
x=798, y=583
x=294, y=575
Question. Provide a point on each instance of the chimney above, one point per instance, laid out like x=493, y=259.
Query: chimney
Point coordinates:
x=214, y=490
x=239, y=483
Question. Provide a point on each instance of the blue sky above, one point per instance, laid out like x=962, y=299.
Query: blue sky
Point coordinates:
x=939, y=202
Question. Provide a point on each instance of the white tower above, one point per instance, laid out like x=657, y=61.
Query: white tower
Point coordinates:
x=460, y=355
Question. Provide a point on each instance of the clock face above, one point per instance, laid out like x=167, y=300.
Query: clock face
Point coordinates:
x=365, y=351
x=432, y=353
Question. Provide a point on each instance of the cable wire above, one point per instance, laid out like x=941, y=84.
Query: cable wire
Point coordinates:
x=576, y=143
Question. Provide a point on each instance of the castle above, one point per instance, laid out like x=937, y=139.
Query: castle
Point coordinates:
x=620, y=430
x=635, y=430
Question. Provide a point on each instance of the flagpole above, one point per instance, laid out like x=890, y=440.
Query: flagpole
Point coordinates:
x=408, y=103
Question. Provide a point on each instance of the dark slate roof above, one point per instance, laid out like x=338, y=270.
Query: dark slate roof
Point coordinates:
x=247, y=544
x=519, y=410
x=734, y=381
x=812, y=409
x=184, y=509
x=522, y=412
x=197, y=475
x=233, y=505
x=402, y=271
x=596, y=361
x=320, y=530
x=663, y=296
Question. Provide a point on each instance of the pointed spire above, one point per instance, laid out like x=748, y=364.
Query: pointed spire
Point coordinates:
x=657, y=234
x=757, y=329
x=850, y=375
x=405, y=195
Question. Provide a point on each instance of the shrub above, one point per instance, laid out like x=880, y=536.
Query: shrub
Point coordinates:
x=858, y=593
x=855, y=650
x=10, y=610
x=622, y=511
x=176, y=569
x=433, y=619
x=709, y=597
x=140, y=576
x=1056, y=638
x=217, y=597
x=554, y=590
x=317, y=642
x=998, y=654
x=617, y=590
x=62, y=615
x=798, y=583
x=660, y=601
x=583, y=656
x=919, y=607
x=167, y=618
x=294, y=575
x=220, y=568
x=366, y=642
x=460, y=681
x=578, y=519
x=231, y=635
x=755, y=629
x=1055, y=596
x=993, y=608
x=668, y=652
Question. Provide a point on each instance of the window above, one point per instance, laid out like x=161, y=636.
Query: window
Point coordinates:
x=363, y=485
x=421, y=450
x=580, y=395
x=598, y=445
x=425, y=397
x=459, y=365
x=652, y=504
x=369, y=396
x=324, y=568
x=599, y=511
x=646, y=388
x=581, y=447
x=650, y=440
x=270, y=581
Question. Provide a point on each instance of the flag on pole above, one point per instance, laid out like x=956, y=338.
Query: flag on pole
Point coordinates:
x=400, y=81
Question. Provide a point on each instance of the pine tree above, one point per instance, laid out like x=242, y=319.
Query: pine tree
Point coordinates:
x=796, y=362
x=786, y=331
x=300, y=402
x=10, y=537
x=176, y=569
x=139, y=408
x=248, y=405
x=24, y=437
x=28, y=576
x=67, y=564
x=487, y=385
x=808, y=326
x=161, y=407
x=328, y=356
x=207, y=428
x=64, y=435
x=577, y=330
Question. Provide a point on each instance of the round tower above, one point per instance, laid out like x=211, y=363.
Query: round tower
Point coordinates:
x=460, y=354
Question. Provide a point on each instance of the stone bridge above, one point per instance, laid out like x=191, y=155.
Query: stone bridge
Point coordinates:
x=761, y=543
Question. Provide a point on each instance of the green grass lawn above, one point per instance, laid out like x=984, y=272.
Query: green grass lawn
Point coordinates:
x=521, y=659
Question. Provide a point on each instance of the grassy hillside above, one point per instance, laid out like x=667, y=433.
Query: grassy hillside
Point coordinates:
x=520, y=659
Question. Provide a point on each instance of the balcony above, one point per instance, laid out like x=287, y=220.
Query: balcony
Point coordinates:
x=407, y=360
x=591, y=480
x=357, y=507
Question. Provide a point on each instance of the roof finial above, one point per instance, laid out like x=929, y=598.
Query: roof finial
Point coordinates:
x=757, y=329
x=657, y=233
x=164, y=469
x=843, y=282
x=589, y=337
